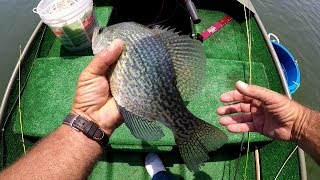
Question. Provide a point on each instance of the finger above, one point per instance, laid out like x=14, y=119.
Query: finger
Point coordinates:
x=231, y=96
x=101, y=62
x=263, y=94
x=234, y=108
x=240, y=118
x=241, y=127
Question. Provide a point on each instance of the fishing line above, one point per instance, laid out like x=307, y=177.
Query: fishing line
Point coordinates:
x=239, y=157
x=248, y=27
x=248, y=32
x=160, y=12
x=280, y=170
x=167, y=19
x=249, y=35
x=16, y=100
x=27, y=78
x=19, y=109
x=177, y=1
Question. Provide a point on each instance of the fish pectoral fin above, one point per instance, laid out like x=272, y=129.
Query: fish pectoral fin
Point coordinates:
x=140, y=127
x=189, y=61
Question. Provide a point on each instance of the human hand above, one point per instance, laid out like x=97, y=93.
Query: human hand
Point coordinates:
x=93, y=99
x=258, y=109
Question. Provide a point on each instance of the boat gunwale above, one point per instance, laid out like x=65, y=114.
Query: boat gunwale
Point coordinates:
x=15, y=71
x=301, y=156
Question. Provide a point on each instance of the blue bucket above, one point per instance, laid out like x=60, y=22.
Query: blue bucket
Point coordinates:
x=289, y=65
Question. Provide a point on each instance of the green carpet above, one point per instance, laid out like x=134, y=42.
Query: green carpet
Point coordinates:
x=227, y=43
x=224, y=166
x=221, y=165
x=49, y=94
x=230, y=42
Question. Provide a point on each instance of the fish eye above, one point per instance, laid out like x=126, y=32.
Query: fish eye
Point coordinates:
x=100, y=30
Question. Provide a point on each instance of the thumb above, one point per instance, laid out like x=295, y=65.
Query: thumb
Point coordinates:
x=101, y=62
x=260, y=93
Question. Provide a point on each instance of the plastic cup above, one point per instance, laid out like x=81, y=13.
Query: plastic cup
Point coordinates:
x=72, y=21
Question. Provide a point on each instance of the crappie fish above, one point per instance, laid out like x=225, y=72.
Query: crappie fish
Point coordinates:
x=157, y=71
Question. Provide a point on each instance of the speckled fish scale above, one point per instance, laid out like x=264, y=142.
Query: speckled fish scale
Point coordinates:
x=157, y=71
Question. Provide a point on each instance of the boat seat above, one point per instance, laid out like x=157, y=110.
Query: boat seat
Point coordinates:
x=225, y=43
x=48, y=97
x=230, y=42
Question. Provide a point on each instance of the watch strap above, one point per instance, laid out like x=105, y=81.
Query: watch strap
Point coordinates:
x=87, y=127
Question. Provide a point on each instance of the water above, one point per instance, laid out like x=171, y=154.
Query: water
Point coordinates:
x=296, y=23
x=17, y=22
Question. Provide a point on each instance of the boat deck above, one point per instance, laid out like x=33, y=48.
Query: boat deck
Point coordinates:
x=50, y=87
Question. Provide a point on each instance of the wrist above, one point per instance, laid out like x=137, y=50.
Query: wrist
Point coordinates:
x=89, y=117
x=87, y=128
x=301, y=123
x=78, y=139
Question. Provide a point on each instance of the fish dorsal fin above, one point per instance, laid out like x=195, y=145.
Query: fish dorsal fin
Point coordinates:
x=188, y=60
x=140, y=127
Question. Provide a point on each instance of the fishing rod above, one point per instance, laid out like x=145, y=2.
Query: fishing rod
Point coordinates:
x=192, y=11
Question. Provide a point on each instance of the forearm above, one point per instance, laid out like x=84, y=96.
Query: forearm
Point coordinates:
x=64, y=154
x=306, y=132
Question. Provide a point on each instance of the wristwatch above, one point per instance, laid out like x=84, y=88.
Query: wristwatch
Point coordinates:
x=87, y=127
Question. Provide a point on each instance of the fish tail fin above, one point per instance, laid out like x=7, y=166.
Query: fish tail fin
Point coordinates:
x=195, y=146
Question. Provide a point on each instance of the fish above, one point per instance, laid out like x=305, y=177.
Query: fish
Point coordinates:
x=158, y=71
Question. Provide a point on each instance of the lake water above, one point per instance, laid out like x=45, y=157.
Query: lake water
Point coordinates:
x=296, y=23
